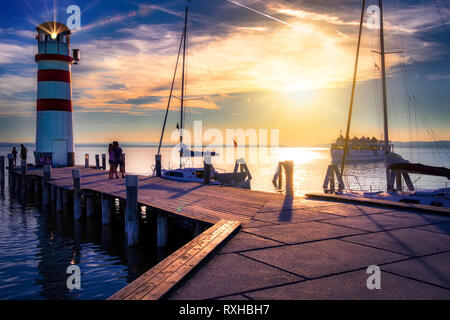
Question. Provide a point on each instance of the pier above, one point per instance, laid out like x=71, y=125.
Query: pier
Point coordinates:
x=257, y=245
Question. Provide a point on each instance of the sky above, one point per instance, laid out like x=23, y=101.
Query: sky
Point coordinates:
x=251, y=64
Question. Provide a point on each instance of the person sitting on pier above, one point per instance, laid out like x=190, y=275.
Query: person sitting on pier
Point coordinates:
x=112, y=162
x=41, y=161
x=118, y=155
x=14, y=153
x=47, y=161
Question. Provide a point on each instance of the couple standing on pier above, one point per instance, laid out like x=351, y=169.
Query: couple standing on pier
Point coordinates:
x=116, y=159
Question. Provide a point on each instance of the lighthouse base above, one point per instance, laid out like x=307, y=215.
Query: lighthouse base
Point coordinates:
x=70, y=158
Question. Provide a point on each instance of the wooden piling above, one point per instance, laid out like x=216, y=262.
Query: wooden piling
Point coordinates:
x=97, y=161
x=398, y=181
x=17, y=178
x=10, y=169
x=206, y=172
x=197, y=228
x=86, y=160
x=30, y=187
x=106, y=209
x=12, y=181
x=280, y=175
x=76, y=175
x=131, y=212
x=103, y=161
x=332, y=183
x=90, y=204
x=289, y=171
x=37, y=189
x=65, y=197
x=2, y=170
x=161, y=230
x=23, y=182
x=59, y=200
x=123, y=163
x=45, y=186
x=53, y=196
x=158, y=165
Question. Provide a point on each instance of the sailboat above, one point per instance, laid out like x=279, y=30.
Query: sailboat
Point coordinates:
x=397, y=168
x=190, y=174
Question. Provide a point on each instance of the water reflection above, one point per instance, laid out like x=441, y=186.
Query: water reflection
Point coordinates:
x=38, y=244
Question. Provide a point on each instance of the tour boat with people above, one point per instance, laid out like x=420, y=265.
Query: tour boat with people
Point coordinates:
x=359, y=149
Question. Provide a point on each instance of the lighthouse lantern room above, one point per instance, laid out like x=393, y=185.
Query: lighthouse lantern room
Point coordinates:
x=54, y=132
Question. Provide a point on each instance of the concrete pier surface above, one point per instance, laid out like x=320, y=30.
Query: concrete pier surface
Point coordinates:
x=309, y=249
x=259, y=245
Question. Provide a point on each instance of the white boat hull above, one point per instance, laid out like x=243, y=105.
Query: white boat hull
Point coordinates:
x=186, y=175
x=431, y=197
x=357, y=155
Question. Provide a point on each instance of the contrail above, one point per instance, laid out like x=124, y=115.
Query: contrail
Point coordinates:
x=261, y=13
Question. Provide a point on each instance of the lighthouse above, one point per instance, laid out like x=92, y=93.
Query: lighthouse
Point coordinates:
x=54, y=132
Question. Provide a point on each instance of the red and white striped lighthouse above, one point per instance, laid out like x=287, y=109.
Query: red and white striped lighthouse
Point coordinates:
x=54, y=133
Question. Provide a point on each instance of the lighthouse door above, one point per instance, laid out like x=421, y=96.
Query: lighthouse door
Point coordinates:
x=59, y=154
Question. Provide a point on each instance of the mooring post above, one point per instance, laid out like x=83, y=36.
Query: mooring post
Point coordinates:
x=158, y=165
x=131, y=211
x=86, y=160
x=207, y=170
x=59, y=200
x=161, y=230
x=23, y=183
x=103, y=161
x=45, y=186
x=280, y=175
x=289, y=170
x=332, y=182
x=197, y=228
x=97, y=161
x=76, y=175
x=106, y=209
x=398, y=181
x=65, y=196
x=124, y=163
x=2, y=170
x=10, y=168
x=206, y=173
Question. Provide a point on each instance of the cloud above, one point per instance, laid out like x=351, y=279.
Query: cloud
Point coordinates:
x=438, y=76
x=132, y=71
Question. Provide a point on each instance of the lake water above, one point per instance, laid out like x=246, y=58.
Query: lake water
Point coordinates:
x=36, y=247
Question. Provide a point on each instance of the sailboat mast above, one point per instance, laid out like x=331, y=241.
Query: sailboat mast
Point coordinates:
x=349, y=120
x=383, y=79
x=182, y=85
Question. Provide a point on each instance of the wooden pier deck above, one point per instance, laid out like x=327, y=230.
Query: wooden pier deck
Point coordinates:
x=206, y=203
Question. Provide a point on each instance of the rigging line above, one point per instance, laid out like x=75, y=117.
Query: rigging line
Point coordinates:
x=442, y=18
x=399, y=45
x=416, y=104
x=170, y=95
x=353, y=89
x=182, y=85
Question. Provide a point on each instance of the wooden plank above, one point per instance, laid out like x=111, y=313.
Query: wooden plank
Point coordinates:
x=174, y=278
x=159, y=277
x=163, y=264
x=155, y=276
